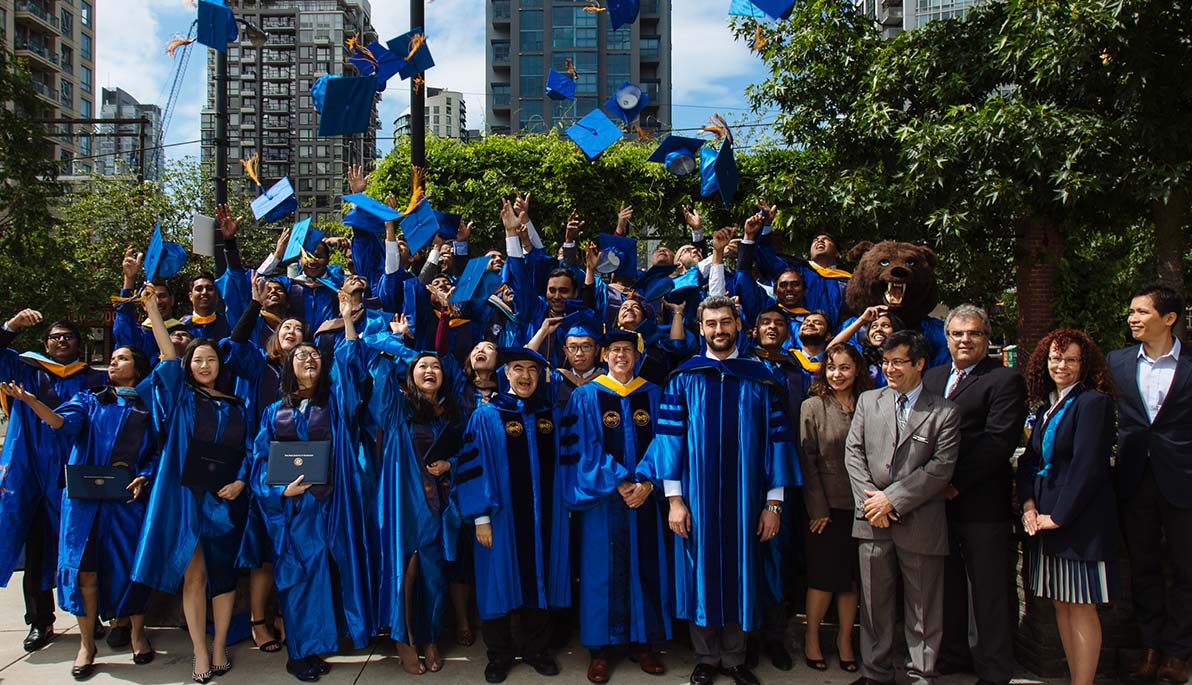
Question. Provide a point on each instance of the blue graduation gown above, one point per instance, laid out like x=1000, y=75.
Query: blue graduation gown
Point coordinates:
x=32, y=458
x=178, y=518
x=326, y=525
x=507, y=471
x=624, y=581
x=723, y=434
x=317, y=303
x=217, y=329
x=128, y=332
x=106, y=429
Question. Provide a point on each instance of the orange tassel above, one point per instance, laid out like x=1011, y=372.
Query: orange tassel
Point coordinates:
x=594, y=6
x=177, y=42
x=759, y=41
x=417, y=189
x=642, y=133
x=416, y=43
x=418, y=81
x=569, y=67
x=251, y=165
x=718, y=127
x=355, y=48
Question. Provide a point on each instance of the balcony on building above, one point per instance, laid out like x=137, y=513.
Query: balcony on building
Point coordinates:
x=501, y=12
x=39, y=14
x=271, y=24
x=500, y=50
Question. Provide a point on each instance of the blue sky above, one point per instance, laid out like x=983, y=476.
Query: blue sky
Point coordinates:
x=710, y=69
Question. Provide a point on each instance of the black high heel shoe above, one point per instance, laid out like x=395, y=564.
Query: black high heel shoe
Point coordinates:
x=201, y=678
x=142, y=658
x=222, y=670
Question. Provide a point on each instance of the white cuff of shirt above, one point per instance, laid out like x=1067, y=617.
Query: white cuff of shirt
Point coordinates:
x=775, y=494
x=534, y=239
x=704, y=264
x=460, y=248
x=433, y=257
x=716, y=280
x=746, y=241
x=672, y=488
x=392, y=257
x=697, y=236
x=513, y=247
x=568, y=246
x=266, y=268
x=767, y=229
x=481, y=520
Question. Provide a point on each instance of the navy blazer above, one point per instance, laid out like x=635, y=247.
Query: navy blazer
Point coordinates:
x=1165, y=444
x=1079, y=492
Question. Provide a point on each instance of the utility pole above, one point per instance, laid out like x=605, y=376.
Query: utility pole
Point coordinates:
x=417, y=96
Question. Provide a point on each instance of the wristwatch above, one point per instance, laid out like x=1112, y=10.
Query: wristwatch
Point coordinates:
x=774, y=509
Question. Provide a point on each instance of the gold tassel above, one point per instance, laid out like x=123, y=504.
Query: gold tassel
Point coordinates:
x=759, y=41
x=569, y=67
x=251, y=166
x=643, y=133
x=177, y=42
x=141, y=296
x=594, y=6
x=418, y=189
x=416, y=42
x=355, y=48
x=718, y=127
x=418, y=81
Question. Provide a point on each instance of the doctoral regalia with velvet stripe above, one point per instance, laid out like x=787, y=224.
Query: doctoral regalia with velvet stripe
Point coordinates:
x=507, y=471
x=722, y=432
x=625, y=594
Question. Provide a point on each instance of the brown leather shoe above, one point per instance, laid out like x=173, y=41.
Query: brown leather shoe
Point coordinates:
x=1148, y=668
x=1173, y=671
x=598, y=670
x=651, y=663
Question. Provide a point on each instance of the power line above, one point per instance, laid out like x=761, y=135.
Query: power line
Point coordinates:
x=134, y=150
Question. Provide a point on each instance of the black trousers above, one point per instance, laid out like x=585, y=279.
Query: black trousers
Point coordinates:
x=978, y=579
x=724, y=647
x=39, y=603
x=1157, y=532
x=499, y=639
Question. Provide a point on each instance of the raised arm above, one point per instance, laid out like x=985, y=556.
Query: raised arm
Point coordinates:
x=18, y=392
x=165, y=346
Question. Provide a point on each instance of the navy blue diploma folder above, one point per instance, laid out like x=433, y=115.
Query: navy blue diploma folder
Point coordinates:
x=288, y=460
x=84, y=481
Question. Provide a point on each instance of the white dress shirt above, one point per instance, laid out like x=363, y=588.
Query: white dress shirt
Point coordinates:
x=1155, y=377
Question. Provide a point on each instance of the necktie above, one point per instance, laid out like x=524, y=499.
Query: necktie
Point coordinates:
x=900, y=416
x=958, y=378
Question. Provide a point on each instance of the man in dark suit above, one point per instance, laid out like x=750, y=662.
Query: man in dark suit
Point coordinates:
x=1153, y=477
x=900, y=453
x=991, y=402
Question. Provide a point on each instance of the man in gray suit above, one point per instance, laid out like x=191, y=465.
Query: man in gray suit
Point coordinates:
x=900, y=453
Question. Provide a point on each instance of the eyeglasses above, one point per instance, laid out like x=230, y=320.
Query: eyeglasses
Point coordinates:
x=961, y=335
x=307, y=355
x=1064, y=361
x=60, y=337
x=896, y=362
x=583, y=347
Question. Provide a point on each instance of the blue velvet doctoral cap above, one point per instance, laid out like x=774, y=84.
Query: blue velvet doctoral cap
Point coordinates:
x=347, y=104
x=718, y=172
x=216, y=25
x=559, y=86
x=417, y=63
x=163, y=259
x=505, y=355
x=476, y=283
x=594, y=133
x=368, y=215
x=375, y=59
x=624, y=248
x=627, y=101
x=775, y=9
x=655, y=282
x=276, y=203
x=622, y=12
x=302, y=237
x=419, y=226
x=678, y=153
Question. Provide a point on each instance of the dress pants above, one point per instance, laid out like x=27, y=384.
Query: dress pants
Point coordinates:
x=1156, y=531
x=499, y=640
x=977, y=592
x=39, y=603
x=724, y=647
x=923, y=608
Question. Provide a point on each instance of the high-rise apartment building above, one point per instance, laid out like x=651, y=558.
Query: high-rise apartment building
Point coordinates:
x=446, y=115
x=269, y=103
x=526, y=38
x=56, y=38
x=120, y=154
x=895, y=16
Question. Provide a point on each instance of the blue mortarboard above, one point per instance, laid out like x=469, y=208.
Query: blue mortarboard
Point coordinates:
x=476, y=283
x=686, y=286
x=448, y=224
x=775, y=9
x=302, y=237
x=624, y=248
x=621, y=335
x=276, y=203
x=347, y=103
x=655, y=282
x=383, y=64
x=417, y=63
x=217, y=25
x=718, y=172
x=369, y=214
x=559, y=86
x=163, y=259
x=627, y=102
x=594, y=133
x=745, y=8
x=678, y=154
x=580, y=324
x=506, y=355
x=419, y=226
x=622, y=12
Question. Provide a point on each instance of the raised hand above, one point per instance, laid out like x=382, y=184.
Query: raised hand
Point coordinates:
x=753, y=226
x=24, y=319
x=623, y=217
x=357, y=181
x=571, y=233
x=228, y=227
x=464, y=231
x=521, y=207
x=691, y=218
x=282, y=241
x=400, y=325
x=509, y=218
x=16, y=391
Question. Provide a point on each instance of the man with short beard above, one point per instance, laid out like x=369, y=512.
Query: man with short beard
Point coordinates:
x=722, y=452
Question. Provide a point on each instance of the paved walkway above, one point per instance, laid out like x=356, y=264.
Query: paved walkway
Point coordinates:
x=373, y=666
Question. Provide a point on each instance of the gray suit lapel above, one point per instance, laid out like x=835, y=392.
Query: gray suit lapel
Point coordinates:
x=918, y=415
x=885, y=404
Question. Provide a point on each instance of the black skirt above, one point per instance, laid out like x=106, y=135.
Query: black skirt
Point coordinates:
x=832, y=561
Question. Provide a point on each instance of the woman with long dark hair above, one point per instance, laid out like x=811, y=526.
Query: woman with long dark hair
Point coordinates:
x=191, y=534
x=832, y=562
x=318, y=532
x=867, y=333
x=1066, y=491
x=109, y=426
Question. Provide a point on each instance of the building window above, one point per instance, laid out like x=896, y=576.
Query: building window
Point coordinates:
x=85, y=79
x=532, y=79
x=67, y=60
x=85, y=13
x=500, y=93
x=619, y=39
x=531, y=30
x=85, y=46
x=67, y=93
x=617, y=71
x=500, y=51
x=585, y=66
x=650, y=47
x=530, y=116
x=66, y=21
x=572, y=27
x=85, y=108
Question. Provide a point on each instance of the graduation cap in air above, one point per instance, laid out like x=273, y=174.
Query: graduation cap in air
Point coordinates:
x=419, y=226
x=685, y=286
x=507, y=355
x=745, y=8
x=718, y=172
x=163, y=259
x=368, y=215
x=618, y=254
x=477, y=283
x=448, y=224
x=559, y=86
x=276, y=203
x=582, y=323
x=375, y=59
x=627, y=102
x=594, y=133
x=622, y=12
x=302, y=237
x=655, y=282
x=216, y=25
x=775, y=9
x=344, y=103
x=677, y=154
x=412, y=49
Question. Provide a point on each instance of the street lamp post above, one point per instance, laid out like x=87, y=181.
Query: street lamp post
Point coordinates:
x=257, y=38
x=417, y=98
